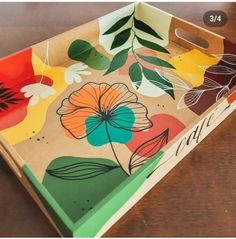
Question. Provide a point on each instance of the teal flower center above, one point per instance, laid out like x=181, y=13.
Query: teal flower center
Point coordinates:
x=117, y=123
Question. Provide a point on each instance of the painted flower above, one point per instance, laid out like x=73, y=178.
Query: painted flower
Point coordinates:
x=104, y=114
x=73, y=73
x=36, y=91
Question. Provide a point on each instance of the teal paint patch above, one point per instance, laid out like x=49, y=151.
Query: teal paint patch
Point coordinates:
x=118, y=125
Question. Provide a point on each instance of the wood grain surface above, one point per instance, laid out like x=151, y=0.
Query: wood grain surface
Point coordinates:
x=197, y=198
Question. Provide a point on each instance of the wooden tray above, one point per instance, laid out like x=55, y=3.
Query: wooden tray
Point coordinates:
x=92, y=119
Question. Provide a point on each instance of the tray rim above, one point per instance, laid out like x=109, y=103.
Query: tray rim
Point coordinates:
x=73, y=227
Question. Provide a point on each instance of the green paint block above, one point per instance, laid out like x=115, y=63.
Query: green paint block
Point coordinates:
x=94, y=220
x=60, y=218
x=110, y=192
x=83, y=51
x=77, y=197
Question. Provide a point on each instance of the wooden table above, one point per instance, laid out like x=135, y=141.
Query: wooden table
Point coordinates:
x=197, y=198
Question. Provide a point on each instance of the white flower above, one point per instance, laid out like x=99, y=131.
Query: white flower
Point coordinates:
x=73, y=72
x=36, y=91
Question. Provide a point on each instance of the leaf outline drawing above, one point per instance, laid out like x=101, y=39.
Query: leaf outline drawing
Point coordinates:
x=154, y=145
x=189, y=99
x=192, y=97
x=104, y=110
x=227, y=58
x=218, y=70
x=81, y=170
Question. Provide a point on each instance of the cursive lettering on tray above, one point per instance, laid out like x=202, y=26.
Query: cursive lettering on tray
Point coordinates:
x=195, y=136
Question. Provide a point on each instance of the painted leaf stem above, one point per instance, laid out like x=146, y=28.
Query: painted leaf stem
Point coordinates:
x=136, y=70
x=118, y=60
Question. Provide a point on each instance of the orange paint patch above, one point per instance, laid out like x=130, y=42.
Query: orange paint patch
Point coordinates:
x=89, y=95
x=231, y=96
x=91, y=100
x=75, y=122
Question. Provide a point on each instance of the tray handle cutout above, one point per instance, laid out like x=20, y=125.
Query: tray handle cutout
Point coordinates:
x=191, y=38
x=10, y=161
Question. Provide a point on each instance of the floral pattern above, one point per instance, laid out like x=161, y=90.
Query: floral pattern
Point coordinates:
x=104, y=114
x=106, y=121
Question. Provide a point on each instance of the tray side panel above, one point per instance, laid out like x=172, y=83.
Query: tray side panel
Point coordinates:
x=115, y=200
x=215, y=41
x=54, y=210
x=172, y=157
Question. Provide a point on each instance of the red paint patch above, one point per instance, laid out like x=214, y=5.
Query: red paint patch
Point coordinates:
x=161, y=122
x=231, y=96
x=16, y=71
x=45, y=80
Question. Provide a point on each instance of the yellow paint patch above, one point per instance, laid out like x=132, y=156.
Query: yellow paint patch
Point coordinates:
x=188, y=66
x=36, y=115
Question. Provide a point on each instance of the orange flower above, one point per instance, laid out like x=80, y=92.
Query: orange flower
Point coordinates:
x=104, y=114
x=94, y=105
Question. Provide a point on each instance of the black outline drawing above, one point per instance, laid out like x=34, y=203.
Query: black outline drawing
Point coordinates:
x=158, y=141
x=105, y=115
x=81, y=171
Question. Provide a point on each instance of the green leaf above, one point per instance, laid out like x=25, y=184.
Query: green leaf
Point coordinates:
x=121, y=38
x=3, y=106
x=118, y=25
x=156, y=61
x=2, y=90
x=118, y=61
x=145, y=28
x=13, y=101
x=152, y=45
x=97, y=60
x=159, y=81
x=83, y=51
x=80, y=170
x=83, y=194
x=79, y=50
x=135, y=74
x=7, y=97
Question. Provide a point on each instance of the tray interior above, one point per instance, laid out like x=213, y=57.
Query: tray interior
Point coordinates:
x=88, y=108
